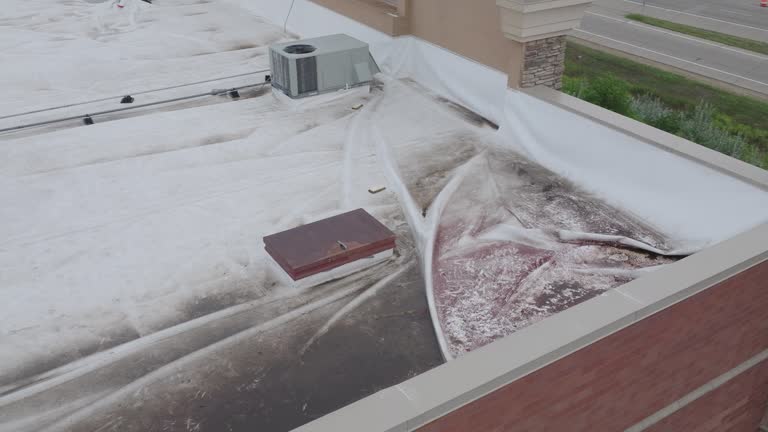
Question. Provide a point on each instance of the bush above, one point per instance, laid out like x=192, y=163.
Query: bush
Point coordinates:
x=609, y=92
x=652, y=111
x=574, y=86
x=758, y=137
x=700, y=128
x=700, y=124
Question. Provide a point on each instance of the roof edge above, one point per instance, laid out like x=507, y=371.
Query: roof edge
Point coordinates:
x=431, y=395
x=656, y=137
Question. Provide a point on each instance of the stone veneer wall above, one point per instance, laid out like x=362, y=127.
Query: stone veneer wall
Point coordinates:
x=544, y=62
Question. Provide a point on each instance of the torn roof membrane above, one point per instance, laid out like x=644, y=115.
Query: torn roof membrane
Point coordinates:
x=527, y=249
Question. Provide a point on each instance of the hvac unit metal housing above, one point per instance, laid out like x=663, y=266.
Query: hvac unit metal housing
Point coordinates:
x=313, y=66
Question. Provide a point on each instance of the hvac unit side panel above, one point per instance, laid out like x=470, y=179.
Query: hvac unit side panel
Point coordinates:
x=306, y=75
x=335, y=71
x=281, y=72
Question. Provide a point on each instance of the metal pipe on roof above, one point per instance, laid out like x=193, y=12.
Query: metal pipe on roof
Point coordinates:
x=136, y=93
x=215, y=92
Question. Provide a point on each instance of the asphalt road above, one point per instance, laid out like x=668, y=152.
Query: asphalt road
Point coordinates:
x=604, y=24
x=741, y=12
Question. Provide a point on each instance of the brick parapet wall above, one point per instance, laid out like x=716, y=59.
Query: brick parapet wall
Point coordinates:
x=543, y=62
x=736, y=406
x=628, y=376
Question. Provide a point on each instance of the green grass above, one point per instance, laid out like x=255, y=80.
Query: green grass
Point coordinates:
x=736, y=113
x=735, y=41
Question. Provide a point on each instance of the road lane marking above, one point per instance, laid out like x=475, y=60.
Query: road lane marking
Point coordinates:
x=735, y=12
x=682, y=36
x=697, y=16
x=673, y=57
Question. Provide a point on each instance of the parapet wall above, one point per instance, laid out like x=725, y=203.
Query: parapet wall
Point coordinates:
x=659, y=374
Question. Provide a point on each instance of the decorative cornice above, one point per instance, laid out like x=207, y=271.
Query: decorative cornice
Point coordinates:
x=527, y=20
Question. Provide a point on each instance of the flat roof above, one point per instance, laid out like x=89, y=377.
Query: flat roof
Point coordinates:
x=141, y=293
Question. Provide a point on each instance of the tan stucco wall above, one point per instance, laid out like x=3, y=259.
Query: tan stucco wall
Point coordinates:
x=476, y=29
x=471, y=28
x=384, y=16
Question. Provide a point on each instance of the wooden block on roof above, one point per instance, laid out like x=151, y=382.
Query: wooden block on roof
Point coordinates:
x=329, y=243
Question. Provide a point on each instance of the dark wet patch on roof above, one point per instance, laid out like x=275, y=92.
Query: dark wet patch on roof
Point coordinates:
x=426, y=179
x=240, y=372
x=465, y=113
x=262, y=383
x=541, y=198
x=30, y=372
x=469, y=115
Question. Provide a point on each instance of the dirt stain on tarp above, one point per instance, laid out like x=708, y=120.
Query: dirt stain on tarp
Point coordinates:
x=263, y=383
x=468, y=115
x=471, y=117
x=223, y=293
x=247, y=379
x=426, y=179
x=539, y=197
x=31, y=372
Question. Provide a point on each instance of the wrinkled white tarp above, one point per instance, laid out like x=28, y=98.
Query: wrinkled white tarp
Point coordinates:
x=683, y=199
x=97, y=245
x=691, y=205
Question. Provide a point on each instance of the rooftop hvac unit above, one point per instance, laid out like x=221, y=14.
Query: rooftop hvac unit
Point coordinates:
x=313, y=66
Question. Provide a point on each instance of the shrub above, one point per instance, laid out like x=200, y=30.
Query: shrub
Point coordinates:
x=609, y=92
x=574, y=86
x=700, y=128
x=652, y=111
x=753, y=135
x=700, y=124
